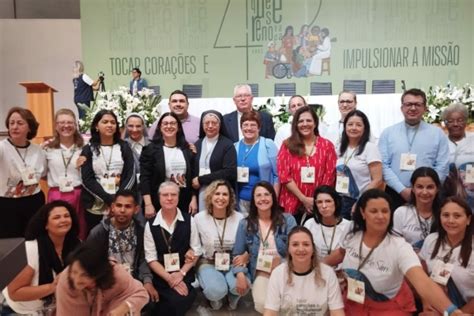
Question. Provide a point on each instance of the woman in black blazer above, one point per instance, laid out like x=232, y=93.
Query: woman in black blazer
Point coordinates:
x=167, y=158
x=216, y=156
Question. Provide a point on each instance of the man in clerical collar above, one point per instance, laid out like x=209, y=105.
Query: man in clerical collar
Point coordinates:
x=179, y=104
x=123, y=236
x=409, y=145
x=168, y=237
x=243, y=101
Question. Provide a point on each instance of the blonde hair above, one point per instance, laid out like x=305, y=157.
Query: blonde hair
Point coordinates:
x=209, y=193
x=78, y=140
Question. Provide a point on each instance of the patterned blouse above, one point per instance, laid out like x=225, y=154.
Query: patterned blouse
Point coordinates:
x=289, y=167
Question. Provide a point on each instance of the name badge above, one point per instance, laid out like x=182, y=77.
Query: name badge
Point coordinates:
x=355, y=290
x=28, y=175
x=243, y=174
x=342, y=184
x=408, y=161
x=469, y=174
x=204, y=171
x=307, y=174
x=172, y=262
x=441, y=272
x=65, y=184
x=108, y=184
x=264, y=263
x=222, y=261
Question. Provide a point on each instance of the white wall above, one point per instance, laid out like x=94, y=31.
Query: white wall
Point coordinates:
x=37, y=50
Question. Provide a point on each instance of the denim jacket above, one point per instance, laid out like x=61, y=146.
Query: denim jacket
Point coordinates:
x=250, y=242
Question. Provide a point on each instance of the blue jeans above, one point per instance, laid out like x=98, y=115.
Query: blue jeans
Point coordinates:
x=217, y=284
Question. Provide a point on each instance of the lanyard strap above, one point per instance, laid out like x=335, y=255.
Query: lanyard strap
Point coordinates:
x=23, y=158
x=425, y=229
x=107, y=165
x=332, y=238
x=361, y=264
x=447, y=256
x=68, y=161
x=313, y=150
x=167, y=240
x=221, y=238
x=247, y=153
x=265, y=240
x=410, y=141
x=346, y=159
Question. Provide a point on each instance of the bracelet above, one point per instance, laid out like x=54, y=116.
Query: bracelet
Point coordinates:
x=450, y=309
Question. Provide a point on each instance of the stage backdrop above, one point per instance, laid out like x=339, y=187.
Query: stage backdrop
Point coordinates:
x=218, y=43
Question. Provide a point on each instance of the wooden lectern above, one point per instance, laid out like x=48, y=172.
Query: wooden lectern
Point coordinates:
x=40, y=101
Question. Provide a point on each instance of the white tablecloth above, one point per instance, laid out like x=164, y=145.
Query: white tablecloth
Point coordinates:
x=382, y=110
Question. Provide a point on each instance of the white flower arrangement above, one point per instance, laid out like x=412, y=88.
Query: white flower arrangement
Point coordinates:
x=439, y=98
x=122, y=103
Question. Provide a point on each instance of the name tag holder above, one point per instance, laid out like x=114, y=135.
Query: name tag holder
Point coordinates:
x=204, y=171
x=243, y=174
x=28, y=175
x=441, y=272
x=355, y=290
x=65, y=184
x=342, y=183
x=172, y=263
x=108, y=184
x=264, y=262
x=408, y=162
x=222, y=261
x=308, y=175
x=469, y=178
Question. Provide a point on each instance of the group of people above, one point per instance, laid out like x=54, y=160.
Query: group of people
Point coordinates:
x=301, y=222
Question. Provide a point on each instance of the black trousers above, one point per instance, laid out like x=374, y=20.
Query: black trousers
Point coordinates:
x=17, y=212
x=173, y=304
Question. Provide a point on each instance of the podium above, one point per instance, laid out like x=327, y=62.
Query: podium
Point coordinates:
x=12, y=259
x=40, y=101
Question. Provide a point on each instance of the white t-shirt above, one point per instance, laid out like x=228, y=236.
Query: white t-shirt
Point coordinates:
x=57, y=159
x=407, y=224
x=209, y=235
x=359, y=164
x=11, y=184
x=304, y=297
x=28, y=307
x=284, y=131
x=175, y=165
x=462, y=151
x=322, y=235
x=387, y=264
x=462, y=277
x=109, y=163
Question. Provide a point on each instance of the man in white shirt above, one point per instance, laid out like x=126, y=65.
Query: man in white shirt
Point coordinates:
x=347, y=102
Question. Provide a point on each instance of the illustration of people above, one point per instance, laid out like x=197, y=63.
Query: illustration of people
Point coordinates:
x=323, y=51
x=270, y=59
x=288, y=41
x=302, y=35
x=313, y=39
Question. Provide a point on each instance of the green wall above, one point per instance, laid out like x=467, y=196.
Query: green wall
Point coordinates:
x=219, y=43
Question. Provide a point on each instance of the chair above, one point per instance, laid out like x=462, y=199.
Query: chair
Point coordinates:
x=383, y=86
x=254, y=87
x=156, y=89
x=357, y=86
x=326, y=65
x=288, y=89
x=320, y=88
x=193, y=90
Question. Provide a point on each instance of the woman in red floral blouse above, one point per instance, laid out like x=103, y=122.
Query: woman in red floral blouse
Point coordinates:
x=305, y=162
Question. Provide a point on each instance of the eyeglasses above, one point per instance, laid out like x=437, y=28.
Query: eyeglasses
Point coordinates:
x=169, y=123
x=252, y=125
x=65, y=123
x=211, y=123
x=417, y=105
x=346, y=101
x=242, y=96
x=458, y=121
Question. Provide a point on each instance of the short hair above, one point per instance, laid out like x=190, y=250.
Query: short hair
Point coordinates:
x=212, y=188
x=372, y=194
x=137, y=70
x=415, y=92
x=354, y=95
x=93, y=258
x=325, y=31
x=297, y=96
x=78, y=140
x=453, y=108
x=246, y=86
x=180, y=138
x=126, y=193
x=251, y=116
x=326, y=189
x=179, y=92
x=28, y=116
x=165, y=184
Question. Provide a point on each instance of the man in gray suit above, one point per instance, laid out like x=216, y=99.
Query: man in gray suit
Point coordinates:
x=243, y=101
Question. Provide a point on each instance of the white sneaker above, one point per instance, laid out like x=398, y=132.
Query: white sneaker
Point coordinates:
x=216, y=305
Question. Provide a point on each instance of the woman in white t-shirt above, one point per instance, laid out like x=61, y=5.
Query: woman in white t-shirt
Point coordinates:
x=62, y=152
x=448, y=253
x=302, y=285
x=359, y=165
x=326, y=226
x=50, y=237
x=376, y=262
x=108, y=167
x=217, y=226
x=415, y=221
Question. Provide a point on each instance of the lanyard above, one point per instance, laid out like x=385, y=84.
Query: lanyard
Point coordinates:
x=107, y=165
x=410, y=141
x=221, y=238
x=361, y=264
x=66, y=163
x=167, y=240
x=313, y=150
x=332, y=238
x=424, y=227
x=247, y=152
x=447, y=256
x=23, y=158
x=346, y=159
x=265, y=240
